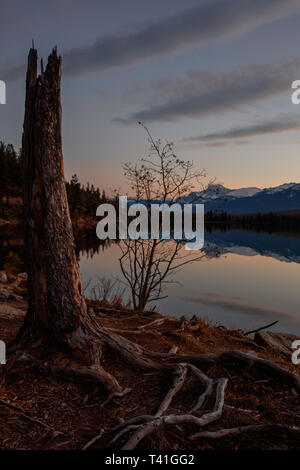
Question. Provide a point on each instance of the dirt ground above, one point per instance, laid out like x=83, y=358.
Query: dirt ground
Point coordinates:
x=75, y=410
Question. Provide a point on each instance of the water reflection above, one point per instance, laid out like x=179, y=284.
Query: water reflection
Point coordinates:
x=221, y=241
x=248, y=278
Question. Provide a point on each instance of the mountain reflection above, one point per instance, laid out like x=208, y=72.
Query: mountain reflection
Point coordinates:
x=283, y=246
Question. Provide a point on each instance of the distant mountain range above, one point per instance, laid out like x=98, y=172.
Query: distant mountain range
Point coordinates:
x=217, y=197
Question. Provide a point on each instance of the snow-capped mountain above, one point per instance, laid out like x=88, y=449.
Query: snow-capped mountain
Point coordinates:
x=247, y=200
x=220, y=192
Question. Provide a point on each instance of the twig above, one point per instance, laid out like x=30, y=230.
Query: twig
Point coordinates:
x=262, y=328
x=92, y=441
x=28, y=418
x=159, y=321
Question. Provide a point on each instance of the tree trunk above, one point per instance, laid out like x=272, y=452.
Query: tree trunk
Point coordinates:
x=56, y=301
x=57, y=310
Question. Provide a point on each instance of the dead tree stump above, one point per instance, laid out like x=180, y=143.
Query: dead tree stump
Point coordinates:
x=56, y=301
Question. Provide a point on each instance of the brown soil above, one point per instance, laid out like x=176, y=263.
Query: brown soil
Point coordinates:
x=76, y=409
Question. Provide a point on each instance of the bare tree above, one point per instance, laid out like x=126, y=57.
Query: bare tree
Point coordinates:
x=148, y=265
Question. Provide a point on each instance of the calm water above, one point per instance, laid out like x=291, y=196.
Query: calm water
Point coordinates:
x=248, y=279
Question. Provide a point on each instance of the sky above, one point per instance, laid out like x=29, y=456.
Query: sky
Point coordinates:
x=212, y=76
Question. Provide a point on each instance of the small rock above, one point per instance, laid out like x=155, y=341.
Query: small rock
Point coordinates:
x=3, y=276
x=4, y=293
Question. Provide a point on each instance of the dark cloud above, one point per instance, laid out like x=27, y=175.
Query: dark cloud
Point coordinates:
x=212, y=20
x=204, y=92
x=281, y=124
x=236, y=306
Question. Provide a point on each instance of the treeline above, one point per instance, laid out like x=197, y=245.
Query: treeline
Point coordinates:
x=10, y=174
x=83, y=199
x=289, y=220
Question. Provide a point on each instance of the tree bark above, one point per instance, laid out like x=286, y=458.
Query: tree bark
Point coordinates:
x=57, y=310
x=56, y=301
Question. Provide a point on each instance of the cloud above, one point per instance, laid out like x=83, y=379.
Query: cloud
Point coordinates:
x=281, y=124
x=205, y=92
x=212, y=20
x=236, y=306
x=15, y=73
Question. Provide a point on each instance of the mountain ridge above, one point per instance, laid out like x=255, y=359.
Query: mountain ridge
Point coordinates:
x=246, y=200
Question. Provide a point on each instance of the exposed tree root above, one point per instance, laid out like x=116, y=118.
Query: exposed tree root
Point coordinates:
x=137, y=355
x=146, y=424
x=244, y=429
x=87, y=342
x=92, y=374
x=142, y=426
x=92, y=441
x=116, y=395
x=243, y=359
x=157, y=422
x=180, y=375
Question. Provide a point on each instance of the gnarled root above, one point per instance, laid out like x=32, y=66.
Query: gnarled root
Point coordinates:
x=243, y=359
x=86, y=343
x=92, y=374
x=145, y=425
x=142, y=426
x=245, y=429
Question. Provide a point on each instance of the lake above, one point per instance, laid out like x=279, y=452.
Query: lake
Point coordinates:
x=247, y=280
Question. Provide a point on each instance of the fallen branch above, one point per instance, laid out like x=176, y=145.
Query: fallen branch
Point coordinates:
x=262, y=328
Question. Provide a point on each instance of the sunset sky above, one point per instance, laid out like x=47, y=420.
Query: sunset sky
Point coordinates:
x=213, y=76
